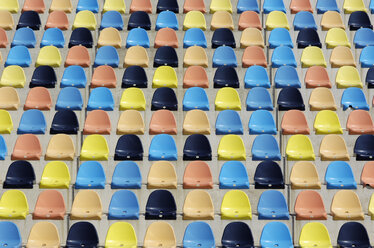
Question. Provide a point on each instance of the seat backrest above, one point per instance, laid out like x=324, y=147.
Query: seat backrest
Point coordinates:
x=97, y=121
x=129, y=147
x=198, y=233
x=115, y=233
x=224, y=55
x=195, y=76
x=95, y=147
x=85, y=19
x=6, y=20
x=333, y=147
x=265, y=147
x=27, y=147
x=220, y=5
x=61, y=5
x=164, y=98
x=132, y=98
x=163, y=147
x=29, y=19
x=223, y=37
x=64, y=121
x=196, y=121
x=57, y=19
x=55, y=175
x=88, y=5
x=195, y=98
x=43, y=233
x=268, y=175
x=159, y=233
x=272, y=205
x=331, y=19
x=134, y=76
x=165, y=76
x=294, y=122
x=314, y=233
x=139, y=19
x=10, y=234
x=126, y=175
x=198, y=205
x=259, y=98
x=165, y=55
x=300, y=5
x=290, y=98
x=227, y=98
x=197, y=146
x=78, y=55
x=141, y=5
x=82, y=233
x=9, y=98
x=123, y=205
x=191, y=5
x=166, y=37
x=339, y=175
x=299, y=147
x=112, y=18
x=304, y=175
x=107, y=55
x=130, y=122
x=74, y=76
x=309, y=205
x=322, y=98
x=256, y=76
x=197, y=175
x=249, y=19
x=287, y=76
x=235, y=205
x=137, y=37
x=100, y=98
x=3, y=148
x=231, y=147
x=20, y=174
x=162, y=174
x=273, y=5
x=81, y=36
x=367, y=172
x=276, y=19
x=24, y=37
x=346, y=205
x=163, y=121
x=50, y=205
x=352, y=234
x=327, y=121
x=32, y=121
x=14, y=204
x=136, y=55
x=86, y=205
x=276, y=234
x=237, y=233
x=166, y=19
x=110, y=37
x=90, y=175
x=317, y=76
x=160, y=205
x=228, y=121
x=254, y=55
x=226, y=76
x=233, y=174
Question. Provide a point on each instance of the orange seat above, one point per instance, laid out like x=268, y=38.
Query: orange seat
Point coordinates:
x=367, y=175
x=317, y=76
x=191, y=5
x=294, y=122
x=166, y=37
x=300, y=5
x=38, y=98
x=254, y=55
x=360, y=122
x=197, y=175
x=104, y=76
x=141, y=5
x=249, y=19
x=27, y=147
x=195, y=76
x=57, y=19
x=3, y=38
x=346, y=205
x=97, y=122
x=78, y=55
x=163, y=121
x=35, y=5
x=50, y=205
x=309, y=206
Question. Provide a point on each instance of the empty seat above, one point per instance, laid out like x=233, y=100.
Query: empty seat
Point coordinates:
x=336, y=37
x=109, y=37
x=94, y=147
x=142, y=5
x=249, y=19
x=3, y=38
x=69, y=98
x=139, y=19
x=137, y=37
x=371, y=210
x=268, y=175
x=262, y=122
x=313, y=56
x=55, y=175
x=53, y=37
x=346, y=206
x=134, y=76
x=339, y=175
x=167, y=5
x=11, y=5
x=164, y=98
x=195, y=98
x=129, y=147
x=60, y=147
x=165, y=55
x=353, y=234
x=359, y=19
x=20, y=175
x=97, y=122
x=160, y=206
x=231, y=147
x=166, y=19
x=74, y=76
x=198, y=233
x=350, y=6
x=224, y=55
x=294, y=122
x=13, y=205
x=197, y=147
x=233, y=175
x=290, y=98
x=136, y=55
x=227, y=98
x=195, y=76
x=165, y=37
x=342, y=56
x=6, y=123
x=117, y=5
x=256, y=76
x=81, y=36
x=363, y=147
x=272, y=205
x=27, y=147
x=9, y=99
x=29, y=19
x=228, y=122
x=299, y=147
x=100, y=98
x=276, y=234
x=369, y=78
x=162, y=175
x=196, y=121
x=308, y=37
x=63, y=5
x=82, y=233
x=348, y=76
x=32, y=121
x=327, y=5
x=327, y=121
x=18, y=55
x=163, y=121
x=366, y=59
x=90, y=175
x=85, y=19
x=304, y=5
x=3, y=148
x=223, y=37
x=194, y=19
x=309, y=206
x=237, y=234
x=283, y=55
x=86, y=206
x=126, y=175
x=121, y=234
x=220, y=5
x=165, y=76
x=92, y=6
x=6, y=20
x=286, y=76
x=280, y=37
x=111, y=19
x=132, y=98
x=159, y=233
x=195, y=55
x=304, y=175
x=265, y=147
x=259, y=98
x=123, y=206
x=197, y=175
x=107, y=55
x=331, y=19
x=354, y=98
x=78, y=55
x=363, y=37
x=247, y=5
x=303, y=20
x=104, y=76
x=317, y=76
x=43, y=234
x=57, y=19
x=24, y=37
x=273, y=5
x=251, y=37
x=236, y=206
x=276, y=19
x=198, y=205
x=333, y=147
x=315, y=233
x=254, y=55
x=191, y=5
x=163, y=147
x=50, y=205
x=130, y=122
x=360, y=122
x=44, y=76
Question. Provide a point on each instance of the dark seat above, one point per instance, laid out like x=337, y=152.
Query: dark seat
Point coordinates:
x=161, y=206
x=134, y=76
x=82, y=234
x=166, y=55
x=43, y=76
x=81, y=36
x=308, y=37
x=353, y=234
x=223, y=37
x=164, y=98
x=65, y=121
x=171, y=5
x=139, y=19
x=364, y=147
x=268, y=175
x=290, y=98
x=226, y=76
x=237, y=234
x=20, y=175
x=29, y=19
x=359, y=19
x=197, y=147
x=129, y=147
x=370, y=78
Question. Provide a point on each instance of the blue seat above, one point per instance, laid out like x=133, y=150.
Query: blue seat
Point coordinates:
x=29, y=19
x=32, y=121
x=165, y=55
x=308, y=37
x=224, y=55
x=272, y=206
x=283, y=55
x=370, y=77
x=286, y=76
x=273, y=5
x=256, y=76
x=276, y=234
x=129, y=147
x=137, y=37
x=268, y=175
x=167, y=19
x=90, y=175
x=259, y=98
x=18, y=55
x=198, y=234
x=74, y=76
x=228, y=122
x=164, y=5
x=353, y=234
x=81, y=234
x=371, y=6
x=126, y=175
x=367, y=57
x=364, y=147
x=100, y=98
x=265, y=147
x=163, y=147
x=43, y=76
x=233, y=175
x=161, y=206
x=237, y=234
x=10, y=235
x=323, y=6
x=123, y=206
x=53, y=37
x=339, y=175
x=195, y=98
x=65, y=121
x=280, y=37
x=354, y=98
x=247, y=5
x=3, y=148
x=107, y=55
x=20, y=175
x=134, y=76
x=91, y=5
x=290, y=98
x=197, y=147
x=359, y=19
x=304, y=19
x=262, y=122
x=223, y=37
x=194, y=37
x=24, y=37
x=81, y=36
x=112, y=19
x=226, y=76
x=139, y=19
x=164, y=98
x=364, y=37
x=69, y=98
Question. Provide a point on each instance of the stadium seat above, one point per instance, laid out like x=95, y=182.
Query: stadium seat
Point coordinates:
x=142, y=5
x=323, y=6
x=53, y=37
x=224, y=55
x=137, y=37
x=164, y=98
x=162, y=121
x=95, y=147
x=129, y=147
x=369, y=78
x=112, y=19
x=121, y=234
x=290, y=98
x=78, y=55
x=44, y=76
x=126, y=175
x=322, y=98
x=353, y=234
x=262, y=122
x=273, y=5
x=247, y=5
x=256, y=76
x=85, y=19
x=132, y=98
x=43, y=233
x=86, y=206
x=55, y=175
x=60, y=147
x=359, y=19
x=276, y=19
x=3, y=148
x=20, y=175
x=92, y=6
x=348, y=76
x=74, y=76
x=57, y=19
x=63, y=5
x=6, y=20
x=304, y=175
x=197, y=175
x=104, y=76
x=139, y=19
x=167, y=5
x=233, y=175
x=308, y=37
x=342, y=56
x=134, y=76
x=6, y=123
x=11, y=5
x=24, y=37
x=195, y=55
x=363, y=148
x=195, y=76
x=69, y=98
x=227, y=98
x=32, y=121
x=259, y=98
x=315, y=233
x=109, y=37
x=116, y=5
x=276, y=234
x=333, y=147
x=191, y=5
x=237, y=234
x=100, y=98
x=346, y=206
x=251, y=37
x=231, y=147
x=304, y=5
x=166, y=19
x=160, y=206
x=303, y=20
x=162, y=175
x=299, y=147
x=280, y=37
x=198, y=233
x=236, y=206
x=3, y=38
x=106, y=55
x=366, y=60
x=81, y=36
x=18, y=55
x=268, y=175
x=159, y=233
x=354, y=98
x=194, y=19
x=165, y=55
x=27, y=147
x=336, y=37
x=309, y=206
x=196, y=121
x=249, y=19
x=9, y=98
x=166, y=37
x=327, y=121
x=371, y=6
x=50, y=205
x=317, y=76
x=82, y=233
x=163, y=147
x=97, y=122
x=29, y=19
x=14, y=205
x=220, y=5
x=331, y=19
x=64, y=121
x=195, y=98
x=371, y=207
x=198, y=205
x=339, y=175
x=350, y=6
x=123, y=206
x=283, y=56
x=223, y=37
x=294, y=122
x=363, y=37
x=228, y=122
x=90, y=175
x=360, y=122
x=254, y=55
x=197, y=147
x=265, y=147
x=286, y=76
x=272, y=205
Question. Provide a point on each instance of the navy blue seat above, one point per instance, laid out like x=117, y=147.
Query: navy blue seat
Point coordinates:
x=163, y=147
x=262, y=122
x=65, y=121
x=359, y=19
x=24, y=37
x=272, y=206
x=126, y=175
x=69, y=98
x=81, y=36
x=10, y=235
x=237, y=234
x=100, y=98
x=339, y=175
x=20, y=175
x=247, y=5
x=308, y=37
x=198, y=234
x=367, y=57
x=290, y=98
x=265, y=147
x=171, y=5
x=29, y=19
x=195, y=98
x=259, y=98
x=268, y=175
x=194, y=37
x=74, y=76
x=273, y=5
x=3, y=148
x=18, y=55
x=134, y=76
x=364, y=147
x=280, y=37
x=166, y=19
x=107, y=55
x=256, y=76
x=53, y=37
x=223, y=37
x=353, y=234
x=129, y=147
x=123, y=206
x=164, y=98
x=165, y=55
x=91, y=5
x=363, y=37
x=370, y=77
x=228, y=122
x=139, y=19
x=304, y=19
x=233, y=175
x=286, y=76
x=161, y=206
x=90, y=175
x=197, y=147
x=283, y=55
x=82, y=234
x=276, y=234
x=226, y=76
x=323, y=6
x=224, y=55
x=112, y=19
x=32, y=121
x=43, y=76
x=354, y=98
x=137, y=37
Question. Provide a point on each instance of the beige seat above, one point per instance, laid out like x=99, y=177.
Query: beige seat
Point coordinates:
x=9, y=98
x=64, y=5
x=6, y=20
x=198, y=205
x=304, y=175
x=160, y=234
x=162, y=175
x=346, y=206
x=110, y=37
x=221, y=19
x=136, y=55
x=86, y=206
x=196, y=121
x=43, y=234
x=130, y=122
x=333, y=147
x=331, y=19
x=322, y=98
x=60, y=147
x=251, y=37
x=341, y=56
x=195, y=55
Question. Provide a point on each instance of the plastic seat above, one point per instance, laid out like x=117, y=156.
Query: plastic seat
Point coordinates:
x=136, y=55
x=223, y=37
x=353, y=234
x=194, y=5
x=283, y=56
x=350, y=6
x=315, y=233
x=139, y=19
x=60, y=147
x=342, y=56
x=327, y=121
x=137, y=37
x=82, y=233
x=123, y=205
x=101, y=98
x=247, y=5
x=107, y=55
x=57, y=19
x=363, y=37
x=254, y=55
x=85, y=19
x=276, y=19
x=163, y=147
x=276, y=234
x=198, y=205
x=86, y=206
x=194, y=19
x=366, y=60
x=280, y=37
x=322, y=98
x=195, y=98
x=134, y=76
x=237, y=234
x=165, y=76
x=121, y=234
x=164, y=37
x=195, y=76
x=370, y=210
x=256, y=76
x=162, y=175
x=224, y=56
x=220, y=5
x=231, y=147
x=6, y=20
x=359, y=19
x=286, y=76
x=24, y=37
x=81, y=36
x=227, y=98
x=273, y=5
x=259, y=98
x=333, y=147
x=142, y=5
x=27, y=147
x=13, y=205
x=303, y=5
x=6, y=123
x=104, y=76
x=317, y=76
x=11, y=5
x=163, y=121
x=346, y=206
x=164, y=98
x=160, y=233
x=363, y=148
x=354, y=98
x=3, y=148
x=360, y=122
x=327, y=5
x=268, y=175
x=251, y=37
x=9, y=99
x=290, y=98
x=262, y=122
x=69, y=98
x=109, y=37
x=92, y=6
x=339, y=175
x=18, y=55
x=160, y=205
x=366, y=175
x=44, y=76
x=116, y=5
x=348, y=76
x=129, y=147
x=97, y=122
x=29, y=19
x=167, y=5
x=236, y=206
x=126, y=175
x=32, y=121
x=304, y=175
x=309, y=206
x=369, y=77
x=112, y=19
x=43, y=234
x=132, y=98
x=272, y=205
x=166, y=19
x=90, y=175
x=299, y=147
x=336, y=37
x=55, y=175
x=3, y=38
x=233, y=175
x=221, y=19
x=94, y=147
x=265, y=147
x=371, y=6
x=294, y=122
x=197, y=147
x=53, y=37
x=20, y=175
x=165, y=55
x=228, y=122
x=196, y=121
x=304, y=19
x=50, y=205
x=78, y=55
x=313, y=56
x=65, y=121
x=249, y=19
x=64, y=5
x=308, y=37
x=198, y=234
x=197, y=175
x=331, y=19
x=195, y=55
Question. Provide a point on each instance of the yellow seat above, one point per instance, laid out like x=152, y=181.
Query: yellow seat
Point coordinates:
x=336, y=37
x=346, y=206
x=311, y=56
x=322, y=98
x=121, y=234
x=341, y=56
x=60, y=147
x=236, y=205
x=304, y=175
x=198, y=205
x=130, y=122
x=13, y=205
x=9, y=98
x=196, y=121
x=165, y=76
x=136, y=55
x=6, y=123
x=218, y=5
x=117, y=5
x=110, y=37
x=350, y=6
x=231, y=147
x=251, y=37
x=94, y=147
x=194, y=19
x=9, y=5
x=132, y=98
x=162, y=175
x=327, y=121
x=276, y=19
x=314, y=234
x=348, y=76
x=13, y=76
x=299, y=147
x=43, y=234
x=371, y=207
x=63, y=5
x=195, y=55
x=55, y=176
x=86, y=206
x=49, y=55
x=227, y=98
x=333, y=147
x=331, y=19
x=85, y=19
x=6, y=20
x=221, y=19
x=160, y=234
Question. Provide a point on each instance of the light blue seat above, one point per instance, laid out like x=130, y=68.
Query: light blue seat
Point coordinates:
x=354, y=98
x=283, y=55
x=259, y=98
x=53, y=37
x=280, y=37
x=101, y=98
x=265, y=147
x=286, y=76
x=323, y=6
x=198, y=234
x=371, y=6
x=167, y=19
x=32, y=121
x=256, y=76
x=273, y=5
x=339, y=175
x=367, y=57
x=224, y=55
x=137, y=37
x=304, y=19
x=74, y=76
x=69, y=98
x=276, y=234
x=3, y=148
x=272, y=206
x=126, y=175
x=123, y=206
x=364, y=37
x=228, y=122
x=24, y=37
x=107, y=55
x=262, y=122
x=194, y=37
x=233, y=175
x=247, y=5
x=195, y=98
x=9, y=235
x=91, y=5
x=112, y=19
x=90, y=175
x=18, y=55
x=163, y=147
